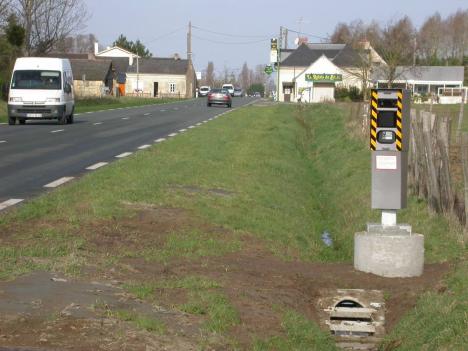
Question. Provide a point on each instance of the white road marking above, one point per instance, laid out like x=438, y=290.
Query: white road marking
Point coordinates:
x=160, y=140
x=147, y=114
x=162, y=110
x=125, y=154
x=9, y=203
x=198, y=124
x=2, y=141
x=58, y=131
x=97, y=123
x=125, y=117
x=182, y=130
x=191, y=127
x=172, y=134
x=204, y=121
x=142, y=147
x=96, y=166
x=58, y=182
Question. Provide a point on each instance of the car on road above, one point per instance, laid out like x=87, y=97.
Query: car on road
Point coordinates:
x=219, y=97
x=230, y=88
x=238, y=92
x=41, y=88
x=204, y=90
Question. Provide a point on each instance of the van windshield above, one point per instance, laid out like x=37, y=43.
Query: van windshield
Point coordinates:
x=36, y=79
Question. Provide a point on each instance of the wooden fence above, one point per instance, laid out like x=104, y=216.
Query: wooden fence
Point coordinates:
x=438, y=160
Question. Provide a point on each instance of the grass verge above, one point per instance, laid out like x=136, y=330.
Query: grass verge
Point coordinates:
x=285, y=174
x=98, y=104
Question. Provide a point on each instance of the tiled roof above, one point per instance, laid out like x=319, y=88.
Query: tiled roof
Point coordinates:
x=157, y=65
x=92, y=70
x=426, y=73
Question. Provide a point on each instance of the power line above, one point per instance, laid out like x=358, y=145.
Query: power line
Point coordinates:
x=308, y=34
x=165, y=35
x=230, y=42
x=229, y=34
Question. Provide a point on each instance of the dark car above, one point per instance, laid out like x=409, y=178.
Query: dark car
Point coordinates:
x=219, y=97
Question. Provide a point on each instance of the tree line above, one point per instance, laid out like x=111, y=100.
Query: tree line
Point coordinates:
x=438, y=41
x=251, y=80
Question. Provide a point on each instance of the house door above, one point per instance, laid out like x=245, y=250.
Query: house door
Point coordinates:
x=156, y=89
x=287, y=91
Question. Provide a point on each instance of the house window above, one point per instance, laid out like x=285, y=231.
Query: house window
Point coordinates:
x=172, y=88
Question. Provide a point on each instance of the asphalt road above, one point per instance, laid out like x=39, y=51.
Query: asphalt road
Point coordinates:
x=42, y=154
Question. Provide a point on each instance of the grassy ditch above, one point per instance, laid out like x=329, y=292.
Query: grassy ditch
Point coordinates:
x=3, y=111
x=281, y=175
x=97, y=104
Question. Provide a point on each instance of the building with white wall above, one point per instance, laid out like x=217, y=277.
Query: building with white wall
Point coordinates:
x=151, y=77
x=312, y=71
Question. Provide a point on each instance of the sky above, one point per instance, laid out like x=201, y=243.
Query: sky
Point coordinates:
x=230, y=33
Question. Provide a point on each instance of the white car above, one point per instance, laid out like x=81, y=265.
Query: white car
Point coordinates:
x=41, y=88
x=204, y=90
x=230, y=88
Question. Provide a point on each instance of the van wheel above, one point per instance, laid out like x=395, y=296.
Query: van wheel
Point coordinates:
x=62, y=119
x=11, y=121
x=22, y=121
x=70, y=119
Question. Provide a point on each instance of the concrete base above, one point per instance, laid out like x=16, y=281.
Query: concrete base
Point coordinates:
x=392, y=255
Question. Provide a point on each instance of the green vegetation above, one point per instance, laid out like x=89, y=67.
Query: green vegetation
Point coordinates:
x=300, y=335
x=141, y=321
x=3, y=111
x=438, y=322
x=193, y=283
x=221, y=314
x=283, y=174
x=98, y=104
x=453, y=111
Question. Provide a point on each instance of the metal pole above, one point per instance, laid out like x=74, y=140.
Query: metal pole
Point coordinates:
x=138, y=75
x=278, y=59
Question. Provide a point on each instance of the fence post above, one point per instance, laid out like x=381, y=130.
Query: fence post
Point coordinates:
x=460, y=119
x=464, y=153
x=433, y=185
x=443, y=152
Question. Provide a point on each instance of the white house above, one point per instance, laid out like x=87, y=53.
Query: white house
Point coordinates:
x=151, y=77
x=115, y=52
x=313, y=70
x=443, y=82
x=317, y=82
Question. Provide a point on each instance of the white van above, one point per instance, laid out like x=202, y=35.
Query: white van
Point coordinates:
x=230, y=88
x=41, y=88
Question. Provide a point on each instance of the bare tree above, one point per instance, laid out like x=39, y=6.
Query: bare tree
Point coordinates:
x=457, y=29
x=210, y=78
x=5, y=9
x=430, y=38
x=396, y=49
x=244, y=76
x=342, y=34
x=48, y=21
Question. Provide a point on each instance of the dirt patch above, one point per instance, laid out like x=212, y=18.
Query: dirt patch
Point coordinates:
x=78, y=314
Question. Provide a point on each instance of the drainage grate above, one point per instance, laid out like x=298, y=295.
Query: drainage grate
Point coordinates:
x=354, y=317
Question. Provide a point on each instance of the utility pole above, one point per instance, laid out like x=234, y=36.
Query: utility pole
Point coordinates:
x=286, y=38
x=278, y=65
x=189, y=42
x=138, y=74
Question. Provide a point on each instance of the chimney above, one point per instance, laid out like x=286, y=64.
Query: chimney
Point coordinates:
x=176, y=56
x=96, y=48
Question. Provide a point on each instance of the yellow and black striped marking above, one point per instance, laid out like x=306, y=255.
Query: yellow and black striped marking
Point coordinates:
x=373, y=120
x=399, y=121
